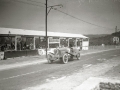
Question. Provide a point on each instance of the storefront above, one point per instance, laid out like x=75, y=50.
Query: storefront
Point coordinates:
x=19, y=42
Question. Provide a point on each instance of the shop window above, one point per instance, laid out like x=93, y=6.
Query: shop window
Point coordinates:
x=29, y=43
x=23, y=43
x=42, y=43
x=53, y=45
x=85, y=39
x=79, y=42
x=72, y=42
x=37, y=42
x=19, y=43
x=54, y=42
x=64, y=42
x=7, y=43
x=13, y=43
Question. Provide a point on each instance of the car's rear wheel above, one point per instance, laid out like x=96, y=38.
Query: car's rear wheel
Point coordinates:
x=78, y=56
x=65, y=58
x=49, y=58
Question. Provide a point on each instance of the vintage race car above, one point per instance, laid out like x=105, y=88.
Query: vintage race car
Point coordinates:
x=63, y=54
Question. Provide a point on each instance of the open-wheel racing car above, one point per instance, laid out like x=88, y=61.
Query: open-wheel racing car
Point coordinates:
x=63, y=54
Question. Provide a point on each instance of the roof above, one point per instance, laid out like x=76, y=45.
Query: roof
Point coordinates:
x=38, y=33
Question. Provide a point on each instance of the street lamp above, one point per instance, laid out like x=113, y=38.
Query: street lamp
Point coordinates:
x=46, y=13
x=52, y=7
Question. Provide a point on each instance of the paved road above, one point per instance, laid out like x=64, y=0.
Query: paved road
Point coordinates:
x=20, y=78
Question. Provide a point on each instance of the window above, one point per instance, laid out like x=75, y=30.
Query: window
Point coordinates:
x=72, y=42
x=37, y=40
x=23, y=43
x=42, y=42
x=64, y=42
x=54, y=42
x=79, y=42
x=29, y=42
x=85, y=39
x=7, y=43
x=53, y=45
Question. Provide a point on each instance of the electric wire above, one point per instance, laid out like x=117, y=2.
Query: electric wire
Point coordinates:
x=36, y=1
x=81, y=19
x=61, y=12
x=27, y=3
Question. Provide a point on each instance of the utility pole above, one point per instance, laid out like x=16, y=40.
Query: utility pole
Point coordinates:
x=46, y=29
x=46, y=13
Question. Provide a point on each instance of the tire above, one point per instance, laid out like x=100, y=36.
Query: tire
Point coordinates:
x=65, y=59
x=78, y=56
x=49, y=58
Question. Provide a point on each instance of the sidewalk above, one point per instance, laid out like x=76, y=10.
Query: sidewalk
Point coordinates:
x=31, y=60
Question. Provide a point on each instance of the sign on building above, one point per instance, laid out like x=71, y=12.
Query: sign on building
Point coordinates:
x=116, y=40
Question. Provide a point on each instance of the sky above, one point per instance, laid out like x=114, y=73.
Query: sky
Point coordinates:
x=76, y=16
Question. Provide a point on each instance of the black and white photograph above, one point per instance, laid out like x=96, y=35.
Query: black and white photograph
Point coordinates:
x=59, y=44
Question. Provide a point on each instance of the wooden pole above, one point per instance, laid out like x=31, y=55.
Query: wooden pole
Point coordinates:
x=46, y=28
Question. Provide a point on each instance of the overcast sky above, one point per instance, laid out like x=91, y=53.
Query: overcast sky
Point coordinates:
x=76, y=16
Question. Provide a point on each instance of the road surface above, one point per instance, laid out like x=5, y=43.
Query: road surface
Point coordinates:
x=38, y=74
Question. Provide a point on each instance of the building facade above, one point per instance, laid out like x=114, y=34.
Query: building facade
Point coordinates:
x=20, y=40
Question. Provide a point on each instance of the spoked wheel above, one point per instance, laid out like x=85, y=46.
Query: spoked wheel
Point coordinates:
x=78, y=56
x=65, y=58
x=49, y=58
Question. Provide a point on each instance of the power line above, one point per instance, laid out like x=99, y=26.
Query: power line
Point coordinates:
x=61, y=12
x=81, y=19
x=36, y=1
x=26, y=3
x=50, y=1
